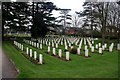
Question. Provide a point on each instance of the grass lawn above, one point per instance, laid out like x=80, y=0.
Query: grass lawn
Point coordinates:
x=96, y=66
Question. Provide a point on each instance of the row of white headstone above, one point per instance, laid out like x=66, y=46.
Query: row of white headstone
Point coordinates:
x=111, y=47
x=118, y=46
x=76, y=40
x=59, y=41
x=89, y=40
x=86, y=47
x=34, y=44
x=92, y=48
x=59, y=53
x=19, y=45
x=53, y=51
x=29, y=52
x=98, y=46
x=49, y=44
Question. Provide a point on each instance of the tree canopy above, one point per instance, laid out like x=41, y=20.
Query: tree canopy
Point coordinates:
x=19, y=15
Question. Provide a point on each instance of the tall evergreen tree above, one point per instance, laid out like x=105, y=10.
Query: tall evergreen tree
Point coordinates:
x=42, y=18
x=89, y=12
x=15, y=15
x=63, y=18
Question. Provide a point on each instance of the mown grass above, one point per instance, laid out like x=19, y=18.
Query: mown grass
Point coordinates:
x=96, y=66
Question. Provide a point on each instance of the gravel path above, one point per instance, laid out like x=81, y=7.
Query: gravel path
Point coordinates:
x=8, y=68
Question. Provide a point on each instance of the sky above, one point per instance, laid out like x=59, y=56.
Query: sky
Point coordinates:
x=74, y=5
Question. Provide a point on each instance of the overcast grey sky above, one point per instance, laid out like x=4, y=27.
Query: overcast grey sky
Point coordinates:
x=74, y=5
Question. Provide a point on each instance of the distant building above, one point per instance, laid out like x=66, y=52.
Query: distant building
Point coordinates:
x=112, y=31
x=72, y=30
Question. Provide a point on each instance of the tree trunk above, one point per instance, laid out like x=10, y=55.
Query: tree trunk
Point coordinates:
x=32, y=34
x=103, y=24
x=64, y=26
x=104, y=14
x=2, y=22
x=91, y=23
x=118, y=27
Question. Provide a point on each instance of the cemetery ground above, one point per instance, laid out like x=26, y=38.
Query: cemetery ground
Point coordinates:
x=95, y=66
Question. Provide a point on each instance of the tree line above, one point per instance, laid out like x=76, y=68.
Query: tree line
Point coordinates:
x=101, y=16
x=34, y=16
x=37, y=17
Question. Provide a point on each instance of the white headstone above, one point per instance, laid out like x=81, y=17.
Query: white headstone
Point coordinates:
x=40, y=46
x=37, y=45
x=27, y=50
x=66, y=47
x=118, y=46
x=96, y=46
x=22, y=48
x=52, y=44
x=56, y=45
x=96, y=38
x=54, y=51
x=49, y=43
x=40, y=59
x=86, y=53
x=90, y=45
x=92, y=49
x=19, y=45
x=71, y=47
x=30, y=52
x=80, y=46
x=78, y=51
x=61, y=43
x=103, y=47
x=86, y=47
x=35, y=55
x=84, y=42
x=100, y=50
x=14, y=42
x=43, y=42
x=60, y=53
x=67, y=55
x=32, y=43
x=99, y=44
x=48, y=49
x=92, y=42
x=65, y=43
x=46, y=43
x=110, y=49
x=28, y=42
x=112, y=44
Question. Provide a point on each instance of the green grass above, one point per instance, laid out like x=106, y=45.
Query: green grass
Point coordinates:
x=17, y=35
x=96, y=66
